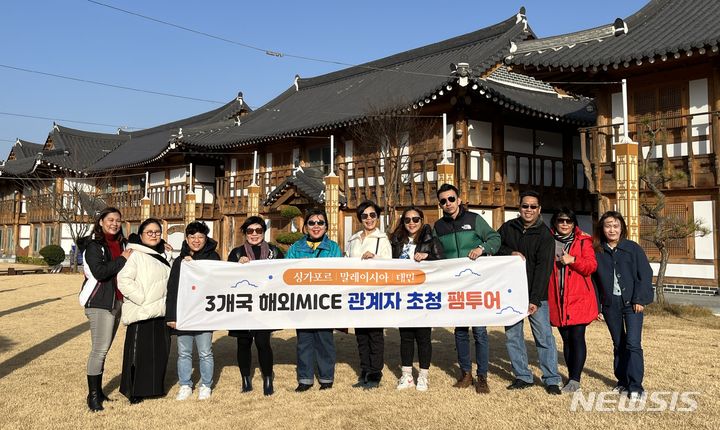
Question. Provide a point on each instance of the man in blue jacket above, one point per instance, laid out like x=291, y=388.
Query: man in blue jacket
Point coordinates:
x=529, y=238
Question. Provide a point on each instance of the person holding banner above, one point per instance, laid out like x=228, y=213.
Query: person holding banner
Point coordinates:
x=367, y=243
x=197, y=246
x=572, y=301
x=143, y=282
x=528, y=237
x=624, y=279
x=414, y=240
x=466, y=234
x=104, y=257
x=254, y=248
x=315, y=346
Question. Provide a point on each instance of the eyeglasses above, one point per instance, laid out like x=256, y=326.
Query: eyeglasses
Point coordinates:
x=527, y=206
x=564, y=221
x=314, y=223
x=371, y=215
x=450, y=199
x=414, y=219
x=257, y=230
x=153, y=233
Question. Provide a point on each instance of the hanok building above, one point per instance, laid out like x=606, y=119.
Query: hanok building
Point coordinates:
x=668, y=53
x=505, y=132
x=56, y=188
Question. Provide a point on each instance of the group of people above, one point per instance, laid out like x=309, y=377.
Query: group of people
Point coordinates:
x=573, y=279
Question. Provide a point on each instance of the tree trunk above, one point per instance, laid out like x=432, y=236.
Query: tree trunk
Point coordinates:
x=660, y=283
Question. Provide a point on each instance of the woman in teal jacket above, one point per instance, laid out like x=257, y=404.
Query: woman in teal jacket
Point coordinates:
x=315, y=345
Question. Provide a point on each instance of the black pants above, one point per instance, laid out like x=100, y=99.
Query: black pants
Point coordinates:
x=408, y=337
x=262, y=343
x=371, y=346
x=574, y=349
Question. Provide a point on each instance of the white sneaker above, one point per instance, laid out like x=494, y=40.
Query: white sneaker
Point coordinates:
x=619, y=389
x=422, y=383
x=405, y=381
x=204, y=392
x=184, y=393
x=635, y=396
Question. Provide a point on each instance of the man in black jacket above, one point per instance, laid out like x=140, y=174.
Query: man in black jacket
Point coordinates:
x=528, y=237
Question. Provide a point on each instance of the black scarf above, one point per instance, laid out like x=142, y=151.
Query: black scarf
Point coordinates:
x=566, y=243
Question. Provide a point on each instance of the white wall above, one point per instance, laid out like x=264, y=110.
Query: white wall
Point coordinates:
x=694, y=271
x=177, y=175
x=699, y=102
x=480, y=136
x=617, y=112
x=705, y=246
x=24, y=239
x=486, y=214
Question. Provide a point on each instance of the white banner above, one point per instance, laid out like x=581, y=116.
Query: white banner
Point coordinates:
x=349, y=292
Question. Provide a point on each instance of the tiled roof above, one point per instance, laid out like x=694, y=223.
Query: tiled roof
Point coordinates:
x=344, y=97
x=24, y=149
x=660, y=30
x=147, y=145
x=76, y=150
x=309, y=182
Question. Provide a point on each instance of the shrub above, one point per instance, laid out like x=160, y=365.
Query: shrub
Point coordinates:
x=290, y=212
x=53, y=255
x=288, y=238
x=37, y=261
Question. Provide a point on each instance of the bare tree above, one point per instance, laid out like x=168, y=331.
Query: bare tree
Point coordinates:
x=391, y=137
x=72, y=201
x=666, y=227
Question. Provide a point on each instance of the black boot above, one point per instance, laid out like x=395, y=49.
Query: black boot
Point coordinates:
x=246, y=384
x=93, y=398
x=268, y=389
x=103, y=397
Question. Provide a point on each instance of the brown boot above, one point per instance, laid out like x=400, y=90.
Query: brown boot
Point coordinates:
x=465, y=380
x=481, y=385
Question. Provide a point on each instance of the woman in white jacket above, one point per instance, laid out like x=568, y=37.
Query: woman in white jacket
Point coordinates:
x=143, y=282
x=368, y=243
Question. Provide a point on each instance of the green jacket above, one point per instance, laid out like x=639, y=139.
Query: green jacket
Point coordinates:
x=460, y=235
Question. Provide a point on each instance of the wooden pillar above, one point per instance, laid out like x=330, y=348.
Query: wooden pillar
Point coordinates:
x=253, y=199
x=460, y=158
x=144, y=208
x=31, y=245
x=498, y=167
x=189, y=215
x=626, y=177
x=332, y=204
x=446, y=175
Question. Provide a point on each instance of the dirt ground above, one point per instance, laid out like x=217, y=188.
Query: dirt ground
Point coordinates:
x=44, y=343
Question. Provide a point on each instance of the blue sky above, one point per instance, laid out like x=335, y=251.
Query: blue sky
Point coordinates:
x=83, y=40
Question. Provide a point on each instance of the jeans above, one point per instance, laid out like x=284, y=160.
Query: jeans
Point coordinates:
x=626, y=331
x=544, y=342
x=315, y=346
x=203, y=340
x=482, y=349
x=103, y=326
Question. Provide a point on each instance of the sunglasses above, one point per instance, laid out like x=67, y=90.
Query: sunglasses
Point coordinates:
x=314, y=223
x=564, y=221
x=527, y=206
x=415, y=219
x=371, y=215
x=450, y=199
x=257, y=230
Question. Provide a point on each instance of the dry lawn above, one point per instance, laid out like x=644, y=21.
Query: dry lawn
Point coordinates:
x=44, y=342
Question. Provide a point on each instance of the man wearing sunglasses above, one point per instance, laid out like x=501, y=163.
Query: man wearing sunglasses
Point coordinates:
x=528, y=237
x=466, y=234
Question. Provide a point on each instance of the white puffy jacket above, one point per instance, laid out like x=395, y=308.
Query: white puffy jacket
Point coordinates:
x=376, y=242
x=143, y=282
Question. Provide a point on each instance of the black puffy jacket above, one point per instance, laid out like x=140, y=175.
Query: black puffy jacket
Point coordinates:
x=104, y=269
x=427, y=243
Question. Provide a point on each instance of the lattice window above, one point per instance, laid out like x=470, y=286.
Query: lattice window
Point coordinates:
x=662, y=106
x=679, y=248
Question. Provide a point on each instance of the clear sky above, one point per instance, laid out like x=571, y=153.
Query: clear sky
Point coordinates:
x=80, y=39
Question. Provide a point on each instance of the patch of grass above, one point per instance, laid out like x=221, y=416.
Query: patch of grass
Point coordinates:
x=685, y=311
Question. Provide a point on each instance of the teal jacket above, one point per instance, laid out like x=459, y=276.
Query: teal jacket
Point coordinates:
x=469, y=230
x=326, y=249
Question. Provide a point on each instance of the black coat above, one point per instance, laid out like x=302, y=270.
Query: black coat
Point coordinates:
x=104, y=269
x=236, y=253
x=207, y=253
x=427, y=243
x=537, y=244
x=630, y=264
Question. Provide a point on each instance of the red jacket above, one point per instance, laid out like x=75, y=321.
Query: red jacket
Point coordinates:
x=579, y=304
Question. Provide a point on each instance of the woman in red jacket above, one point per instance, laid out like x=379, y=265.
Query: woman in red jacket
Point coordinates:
x=571, y=296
